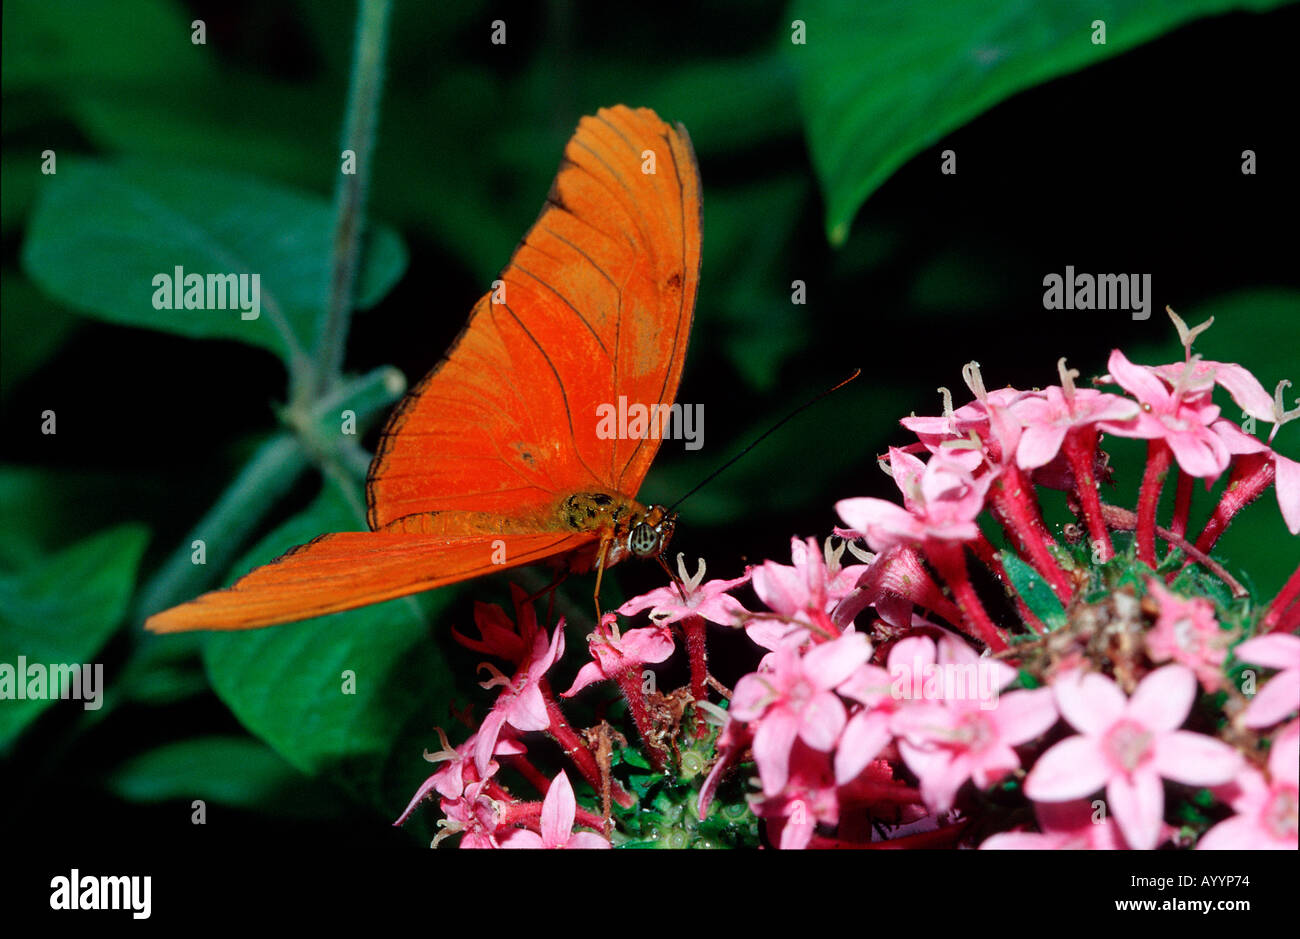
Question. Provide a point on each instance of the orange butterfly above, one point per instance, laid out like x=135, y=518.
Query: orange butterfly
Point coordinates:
x=494, y=461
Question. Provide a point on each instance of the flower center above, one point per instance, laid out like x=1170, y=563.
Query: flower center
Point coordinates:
x=1185, y=634
x=974, y=732
x=1280, y=814
x=1129, y=745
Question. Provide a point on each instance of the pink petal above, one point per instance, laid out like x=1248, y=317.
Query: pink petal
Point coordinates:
x=1071, y=769
x=1200, y=455
x=1022, y=841
x=822, y=721
x=528, y=711
x=559, y=809
x=941, y=774
x=1277, y=699
x=1089, y=702
x=517, y=838
x=772, y=743
x=993, y=763
x=1275, y=650
x=782, y=589
x=1238, y=833
x=1136, y=380
x=589, y=674
x=587, y=840
x=830, y=663
x=1023, y=715
x=1138, y=803
x=1284, y=756
x=1287, y=483
x=1039, y=444
x=1245, y=389
x=864, y=737
x=1195, y=759
x=1163, y=699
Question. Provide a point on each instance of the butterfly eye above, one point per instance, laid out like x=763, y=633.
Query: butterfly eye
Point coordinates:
x=643, y=540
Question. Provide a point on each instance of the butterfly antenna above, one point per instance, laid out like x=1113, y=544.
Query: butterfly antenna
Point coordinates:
x=763, y=436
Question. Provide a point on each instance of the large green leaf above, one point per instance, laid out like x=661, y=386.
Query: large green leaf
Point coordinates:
x=236, y=771
x=61, y=609
x=881, y=81
x=286, y=683
x=102, y=232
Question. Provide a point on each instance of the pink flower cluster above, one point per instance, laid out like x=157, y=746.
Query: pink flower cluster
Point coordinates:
x=891, y=708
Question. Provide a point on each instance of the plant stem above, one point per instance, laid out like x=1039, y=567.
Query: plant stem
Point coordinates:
x=1080, y=448
x=1250, y=477
x=361, y=118
x=1153, y=481
x=1287, y=597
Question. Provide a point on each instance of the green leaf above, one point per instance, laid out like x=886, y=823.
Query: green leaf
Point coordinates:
x=60, y=610
x=235, y=771
x=31, y=331
x=286, y=683
x=73, y=45
x=879, y=82
x=1033, y=590
x=102, y=232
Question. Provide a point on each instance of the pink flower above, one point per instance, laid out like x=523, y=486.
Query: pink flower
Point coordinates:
x=971, y=732
x=450, y=781
x=941, y=500
x=1187, y=632
x=1047, y=417
x=559, y=809
x=501, y=637
x=1266, y=809
x=808, y=797
x=1069, y=826
x=1128, y=746
x=473, y=814
x=869, y=728
x=1281, y=695
x=793, y=697
x=614, y=654
x=520, y=704
x=894, y=582
x=1182, y=422
x=802, y=594
x=710, y=600
x=1244, y=387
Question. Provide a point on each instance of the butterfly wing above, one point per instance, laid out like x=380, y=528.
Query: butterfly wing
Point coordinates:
x=350, y=569
x=596, y=303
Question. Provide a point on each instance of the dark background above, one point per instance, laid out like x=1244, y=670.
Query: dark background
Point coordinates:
x=1131, y=165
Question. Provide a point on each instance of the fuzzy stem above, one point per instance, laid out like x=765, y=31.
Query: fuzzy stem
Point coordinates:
x=529, y=814
x=1018, y=513
x=950, y=560
x=1182, y=504
x=696, y=650
x=524, y=766
x=567, y=737
x=1251, y=475
x=1276, y=617
x=1153, y=481
x=983, y=549
x=1080, y=448
x=629, y=682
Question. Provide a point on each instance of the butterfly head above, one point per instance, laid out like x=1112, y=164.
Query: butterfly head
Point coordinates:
x=649, y=537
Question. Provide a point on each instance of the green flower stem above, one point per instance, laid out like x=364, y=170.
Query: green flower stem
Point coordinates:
x=362, y=116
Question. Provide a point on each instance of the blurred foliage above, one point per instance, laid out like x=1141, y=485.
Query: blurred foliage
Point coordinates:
x=173, y=153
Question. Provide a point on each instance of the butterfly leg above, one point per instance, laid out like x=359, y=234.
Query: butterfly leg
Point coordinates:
x=603, y=555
